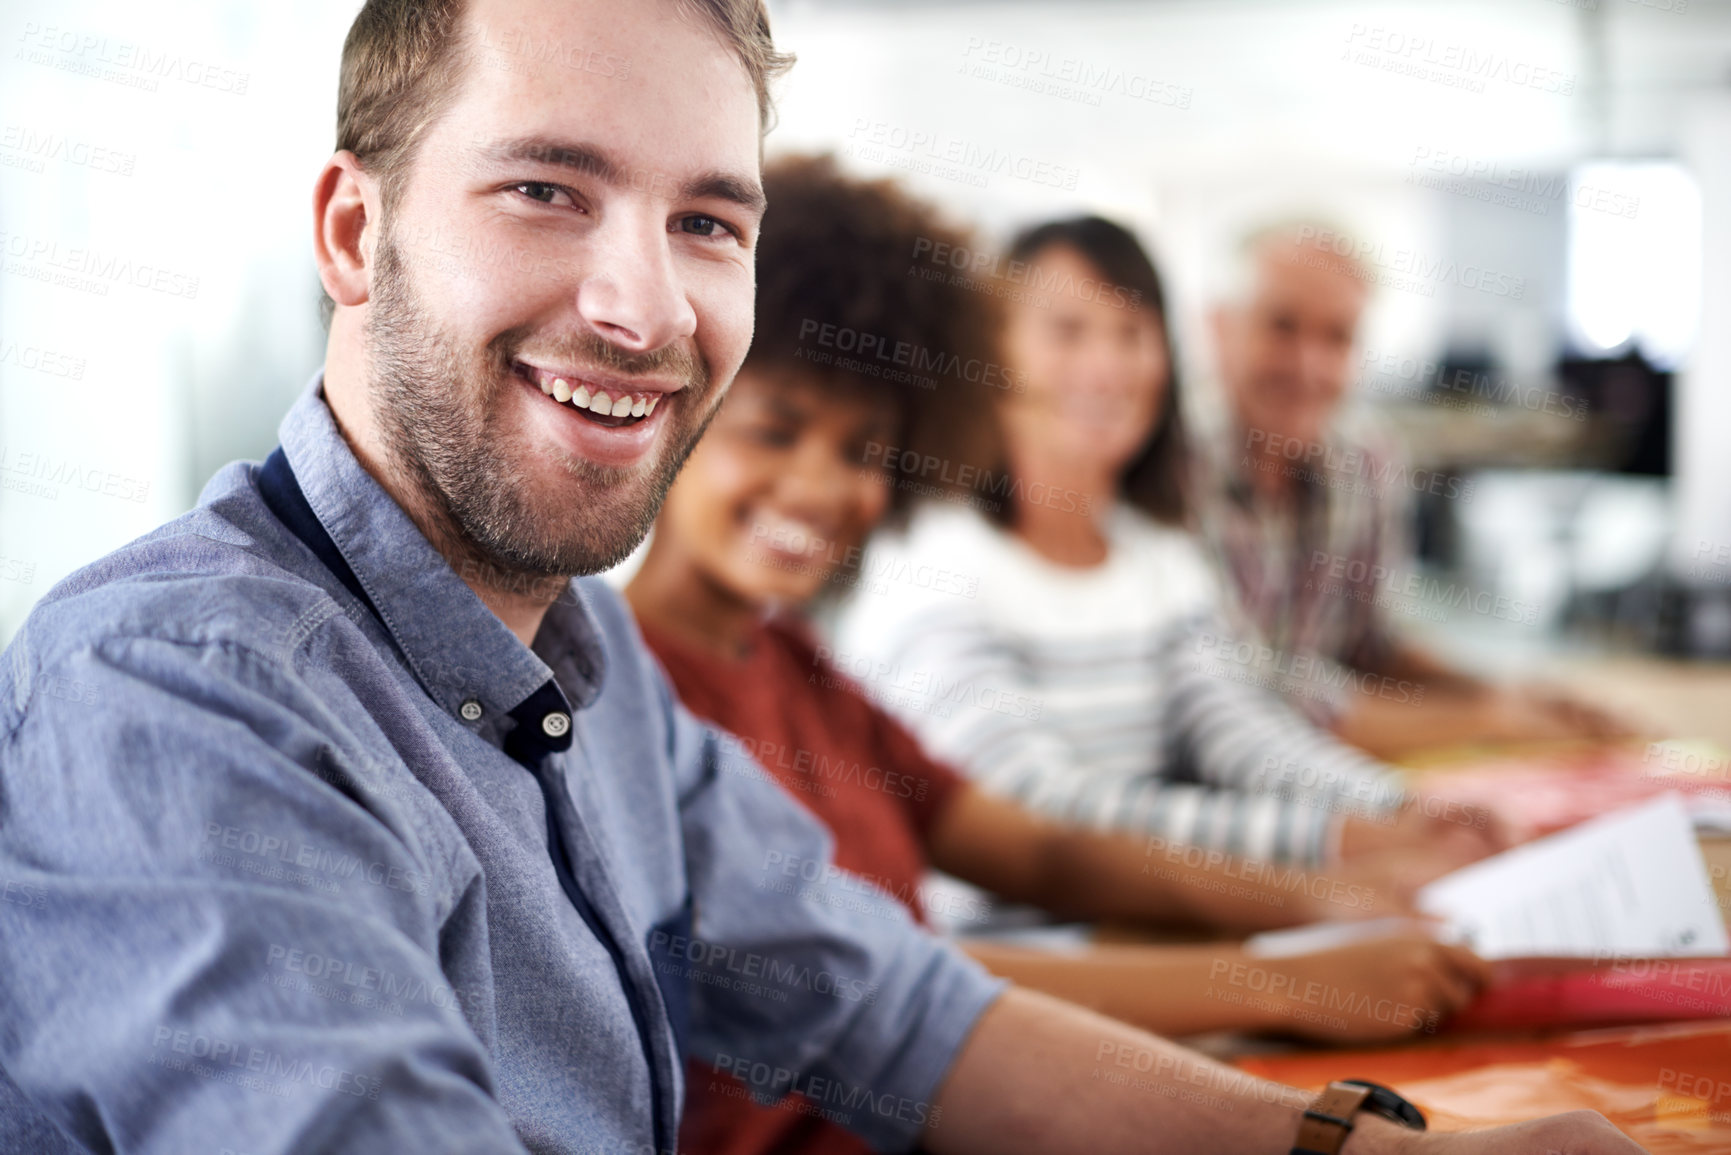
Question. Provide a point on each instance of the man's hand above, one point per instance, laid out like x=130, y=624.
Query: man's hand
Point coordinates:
x=1541, y=713
x=1583, y=718
x=1474, y=715
x=1575, y=1133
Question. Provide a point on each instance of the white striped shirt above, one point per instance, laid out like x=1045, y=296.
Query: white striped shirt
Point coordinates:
x=1096, y=695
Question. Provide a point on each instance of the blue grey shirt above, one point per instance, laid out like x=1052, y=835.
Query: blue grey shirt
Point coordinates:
x=294, y=859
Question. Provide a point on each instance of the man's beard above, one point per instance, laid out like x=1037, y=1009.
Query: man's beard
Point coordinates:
x=441, y=418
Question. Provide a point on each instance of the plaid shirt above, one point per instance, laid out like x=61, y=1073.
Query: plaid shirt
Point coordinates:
x=1304, y=570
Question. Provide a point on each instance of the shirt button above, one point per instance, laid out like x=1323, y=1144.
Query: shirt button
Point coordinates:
x=470, y=709
x=555, y=724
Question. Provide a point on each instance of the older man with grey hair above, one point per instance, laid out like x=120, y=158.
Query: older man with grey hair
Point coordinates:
x=1305, y=508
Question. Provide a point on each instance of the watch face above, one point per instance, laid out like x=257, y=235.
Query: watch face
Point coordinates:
x=1389, y=1105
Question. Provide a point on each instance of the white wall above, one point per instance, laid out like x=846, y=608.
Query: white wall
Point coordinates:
x=1701, y=549
x=161, y=161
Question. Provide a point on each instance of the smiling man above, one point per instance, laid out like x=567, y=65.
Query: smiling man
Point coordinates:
x=529, y=409
x=336, y=817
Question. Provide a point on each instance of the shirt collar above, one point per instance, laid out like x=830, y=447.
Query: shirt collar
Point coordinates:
x=459, y=650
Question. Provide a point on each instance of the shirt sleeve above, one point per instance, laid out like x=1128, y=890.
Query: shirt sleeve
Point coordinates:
x=1292, y=782
x=807, y=978
x=1264, y=782
x=188, y=869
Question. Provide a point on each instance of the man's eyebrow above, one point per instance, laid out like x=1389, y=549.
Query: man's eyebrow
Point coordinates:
x=592, y=161
x=584, y=158
x=747, y=194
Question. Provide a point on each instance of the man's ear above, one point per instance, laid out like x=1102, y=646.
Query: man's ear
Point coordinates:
x=345, y=208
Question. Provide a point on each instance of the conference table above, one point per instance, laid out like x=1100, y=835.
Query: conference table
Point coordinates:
x=1666, y=1085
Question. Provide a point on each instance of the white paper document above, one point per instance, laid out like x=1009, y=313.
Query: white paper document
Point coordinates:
x=1630, y=883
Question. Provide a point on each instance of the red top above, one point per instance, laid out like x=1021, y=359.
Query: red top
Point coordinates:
x=860, y=773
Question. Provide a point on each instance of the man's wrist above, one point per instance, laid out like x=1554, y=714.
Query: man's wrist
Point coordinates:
x=1374, y=1135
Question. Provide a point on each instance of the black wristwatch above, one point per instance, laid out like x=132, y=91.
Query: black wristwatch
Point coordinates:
x=1328, y=1122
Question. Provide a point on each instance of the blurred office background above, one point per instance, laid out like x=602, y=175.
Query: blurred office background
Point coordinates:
x=1547, y=186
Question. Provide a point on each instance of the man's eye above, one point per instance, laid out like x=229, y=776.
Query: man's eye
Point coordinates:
x=702, y=226
x=536, y=190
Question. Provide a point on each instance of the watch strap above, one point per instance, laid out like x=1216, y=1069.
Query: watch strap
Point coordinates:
x=1328, y=1121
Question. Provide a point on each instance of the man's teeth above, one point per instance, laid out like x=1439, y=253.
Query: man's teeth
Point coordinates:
x=599, y=402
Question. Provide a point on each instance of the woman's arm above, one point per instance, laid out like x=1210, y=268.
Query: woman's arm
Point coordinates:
x=1226, y=715
x=961, y=689
x=1238, y=734
x=1080, y=873
x=1375, y=991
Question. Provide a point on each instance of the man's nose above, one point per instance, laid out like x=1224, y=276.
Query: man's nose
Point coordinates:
x=632, y=292
x=1319, y=366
